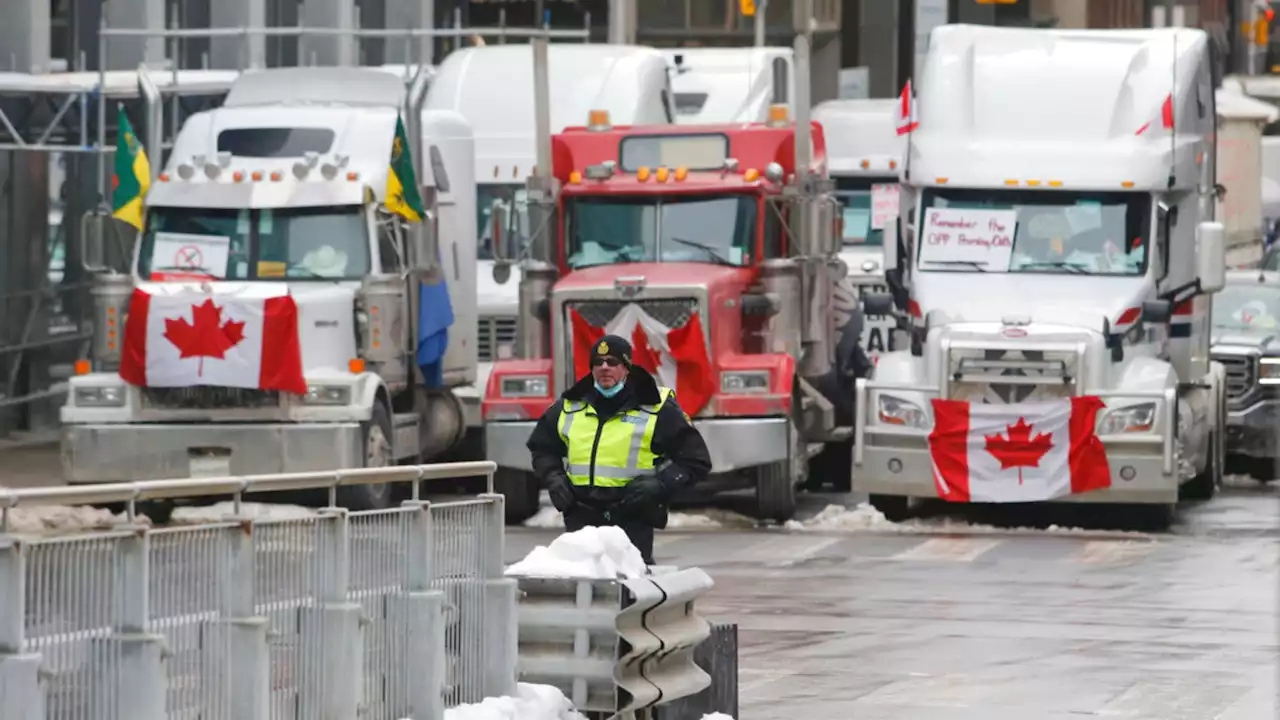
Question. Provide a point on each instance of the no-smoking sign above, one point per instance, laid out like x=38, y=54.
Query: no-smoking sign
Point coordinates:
x=188, y=257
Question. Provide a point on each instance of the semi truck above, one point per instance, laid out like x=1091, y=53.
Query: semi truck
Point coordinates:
x=713, y=247
x=275, y=206
x=1057, y=243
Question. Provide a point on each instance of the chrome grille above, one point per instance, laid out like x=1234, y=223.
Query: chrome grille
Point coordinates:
x=493, y=331
x=208, y=398
x=672, y=312
x=1033, y=375
x=1241, y=374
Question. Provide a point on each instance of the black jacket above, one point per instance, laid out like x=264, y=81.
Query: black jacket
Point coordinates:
x=674, y=439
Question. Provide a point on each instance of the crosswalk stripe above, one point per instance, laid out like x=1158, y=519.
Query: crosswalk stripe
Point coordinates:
x=808, y=552
x=1111, y=552
x=948, y=550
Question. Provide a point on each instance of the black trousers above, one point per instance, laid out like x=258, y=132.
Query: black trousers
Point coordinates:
x=640, y=534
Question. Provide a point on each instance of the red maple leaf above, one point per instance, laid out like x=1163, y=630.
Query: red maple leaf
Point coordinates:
x=206, y=336
x=1018, y=449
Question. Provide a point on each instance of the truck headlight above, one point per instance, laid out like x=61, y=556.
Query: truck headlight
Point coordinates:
x=743, y=382
x=1131, y=419
x=100, y=396
x=1269, y=371
x=327, y=395
x=517, y=386
x=896, y=411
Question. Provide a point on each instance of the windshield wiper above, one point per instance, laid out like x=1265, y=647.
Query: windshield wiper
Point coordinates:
x=194, y=271
x=710, y=251
x=974, y=264
x=1056, y=265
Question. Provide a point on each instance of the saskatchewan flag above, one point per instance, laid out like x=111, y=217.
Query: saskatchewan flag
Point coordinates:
x=402, y=196
x=132, y=175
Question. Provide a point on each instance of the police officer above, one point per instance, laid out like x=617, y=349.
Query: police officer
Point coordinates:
x=616, y=448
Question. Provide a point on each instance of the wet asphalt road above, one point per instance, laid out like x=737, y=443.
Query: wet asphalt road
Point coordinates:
x=948, y=622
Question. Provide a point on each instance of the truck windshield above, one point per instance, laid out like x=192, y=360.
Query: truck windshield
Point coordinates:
x=328, y=243
x=1034, y=231
x=515, y=198
x=863, y=211
x=709, y=229
x=1251, y=306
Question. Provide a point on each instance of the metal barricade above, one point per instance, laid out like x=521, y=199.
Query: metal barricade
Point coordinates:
x=379, y=615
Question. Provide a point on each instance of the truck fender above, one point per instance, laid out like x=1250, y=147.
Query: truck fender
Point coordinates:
x=1147, y=374
x=368, y=390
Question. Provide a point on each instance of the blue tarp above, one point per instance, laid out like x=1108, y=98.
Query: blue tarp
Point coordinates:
x=435, y=315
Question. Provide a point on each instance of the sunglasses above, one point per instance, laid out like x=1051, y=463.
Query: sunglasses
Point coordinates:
x=605, y=361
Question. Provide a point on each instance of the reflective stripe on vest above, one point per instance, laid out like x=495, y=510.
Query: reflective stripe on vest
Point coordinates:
x=624, y=449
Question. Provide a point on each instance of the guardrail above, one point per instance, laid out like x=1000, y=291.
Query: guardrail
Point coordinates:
x=382, y=615
x=614, y=646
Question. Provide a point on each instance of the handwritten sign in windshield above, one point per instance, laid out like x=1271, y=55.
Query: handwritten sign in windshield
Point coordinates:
x=983, y=238
x=884, y=205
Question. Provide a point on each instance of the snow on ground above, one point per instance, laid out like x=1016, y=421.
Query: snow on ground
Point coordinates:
x=592, y=552
x=548, y=517
x=63, y=519
x=531, y=702
x=717, y=716
x=219, y=512
x=864, y=517
x=1241, y=481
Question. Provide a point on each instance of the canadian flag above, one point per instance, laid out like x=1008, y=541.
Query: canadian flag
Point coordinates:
x=1025, y=452
x=678, y=357
x=905, y=113
x=181, y=336
x=1165, y=120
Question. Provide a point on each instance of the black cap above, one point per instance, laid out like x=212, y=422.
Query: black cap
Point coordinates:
x=614, y=347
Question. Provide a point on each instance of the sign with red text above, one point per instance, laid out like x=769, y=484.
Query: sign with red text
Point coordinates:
x=884, y=205
x=980, y=238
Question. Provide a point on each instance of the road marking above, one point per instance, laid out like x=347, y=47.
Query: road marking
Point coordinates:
x=747, y=684
x=807, y=552
x=948, y=550
x=1111, y=552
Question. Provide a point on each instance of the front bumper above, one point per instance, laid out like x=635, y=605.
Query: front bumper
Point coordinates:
x=124, y=453
x=890, y=460
x=734, y=443
x=1254, y=431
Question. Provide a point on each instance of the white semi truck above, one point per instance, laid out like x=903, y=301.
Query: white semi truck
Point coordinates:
x=492, y=88
x=728, y=85
x=280, y=193
x=1099, y=283
x=864, y=157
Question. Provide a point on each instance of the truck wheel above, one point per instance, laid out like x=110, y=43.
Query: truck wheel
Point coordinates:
x=1205, y=485
x=895, y=508
x=775, y=492
x=521, y=492
x=377, y=453
x=1264, y=471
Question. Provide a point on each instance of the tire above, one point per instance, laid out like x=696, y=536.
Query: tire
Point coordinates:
x=1205, y=485
x=1263, y=470
x=521, y=492
x=775, y=492
x=895, y=508
x=377, y=453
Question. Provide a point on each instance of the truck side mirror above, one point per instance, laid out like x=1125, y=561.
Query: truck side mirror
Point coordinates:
x=94, y=226
x=890, y=246
x=1211, y=258
x=1157, y=312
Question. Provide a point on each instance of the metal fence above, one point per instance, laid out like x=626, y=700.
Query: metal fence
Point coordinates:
x=378, y=615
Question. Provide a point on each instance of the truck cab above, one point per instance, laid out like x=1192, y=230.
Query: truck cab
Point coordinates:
x=1057, y=241
x=727, y=85
x=689, y=240
x=281, y=193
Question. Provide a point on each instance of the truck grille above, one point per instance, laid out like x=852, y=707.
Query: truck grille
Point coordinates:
x=494, y=331
x=672, y=312
x=208, y=398
x=1241, y=374
x=978, y=375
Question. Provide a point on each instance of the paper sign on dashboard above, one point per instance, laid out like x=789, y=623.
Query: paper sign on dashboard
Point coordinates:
x=960, y=236
x=884, y=205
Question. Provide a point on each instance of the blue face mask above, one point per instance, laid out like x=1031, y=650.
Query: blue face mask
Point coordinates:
x=610, y=392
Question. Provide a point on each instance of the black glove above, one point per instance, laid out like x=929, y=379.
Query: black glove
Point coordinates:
x=561, y=491
x=673, y=479
x=640, y=494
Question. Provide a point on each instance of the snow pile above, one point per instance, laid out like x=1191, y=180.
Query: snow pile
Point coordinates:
x=717, y=716
x=864, y=517
x=592, y=552
x=840, y=518
x=219, y=512
x=59, y=519
x=531, y=702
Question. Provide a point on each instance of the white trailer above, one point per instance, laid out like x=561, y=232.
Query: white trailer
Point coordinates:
x=864, y=156
x=728, y=85
x=1100, y=283
x=281, y=192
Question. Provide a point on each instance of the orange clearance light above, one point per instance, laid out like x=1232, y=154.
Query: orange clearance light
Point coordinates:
x=1055, y=183
x=1033, y=183
x=893, y=164
x=777, y=114
x=941, y=181
x=681, y=173
x=575, y=177
x=276, y=176
x=164, y=177
x=1010, y=182
x=353, y=176
x=356, y=365
x=83, y=367
x=1127, y=184
x=238, y=176
x=751, y=175
x=865, y=164
x=598, y=118
x=662, y=174
x=642, y=174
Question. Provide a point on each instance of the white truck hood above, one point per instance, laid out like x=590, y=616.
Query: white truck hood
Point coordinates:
x=326, y=316
x=863, y=261
x=495, y=299
x=1071, y=300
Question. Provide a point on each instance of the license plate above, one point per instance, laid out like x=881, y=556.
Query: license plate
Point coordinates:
x=210, y=466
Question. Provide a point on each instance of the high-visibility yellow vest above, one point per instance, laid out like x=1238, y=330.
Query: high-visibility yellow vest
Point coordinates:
x=614, y=452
